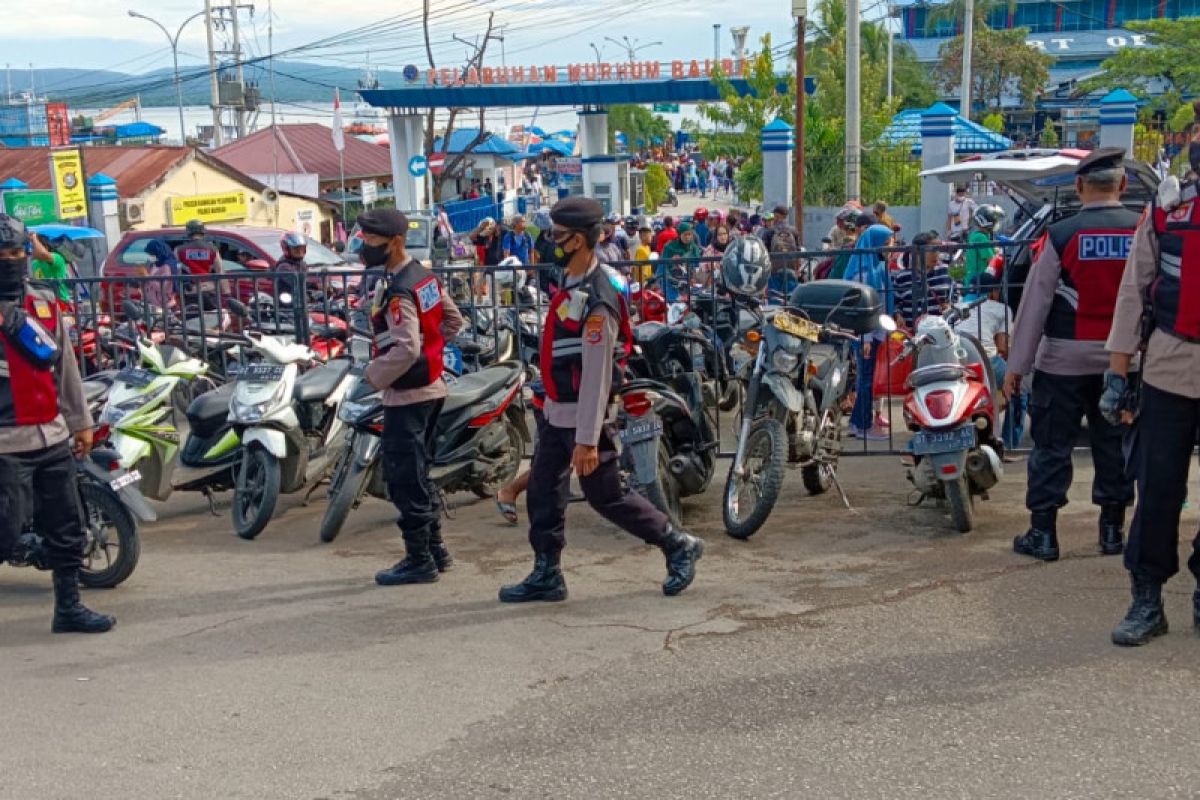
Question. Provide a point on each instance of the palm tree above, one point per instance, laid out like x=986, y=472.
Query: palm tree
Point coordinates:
x=956, y=10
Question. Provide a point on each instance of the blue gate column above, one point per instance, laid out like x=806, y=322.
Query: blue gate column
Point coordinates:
x=406, y=133
x=103, y=212
x=1118, y=115
x=937, y=150
x=778, y=143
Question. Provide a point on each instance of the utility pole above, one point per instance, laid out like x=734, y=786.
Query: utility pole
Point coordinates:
x=891, y=54
x=853, y=100
x=968, y=47
x=240, y=111
x=218, y=136
x=504, y=66
x=800, y=12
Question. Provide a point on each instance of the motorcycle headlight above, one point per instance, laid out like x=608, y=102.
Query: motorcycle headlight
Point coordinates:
x=240, y=411
x=783, y=361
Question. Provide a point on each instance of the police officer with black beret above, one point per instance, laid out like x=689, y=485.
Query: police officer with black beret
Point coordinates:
x=1060, y=332
x=585, y=340
x=412, y=317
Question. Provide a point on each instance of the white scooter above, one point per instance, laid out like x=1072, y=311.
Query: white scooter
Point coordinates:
x=288, y=423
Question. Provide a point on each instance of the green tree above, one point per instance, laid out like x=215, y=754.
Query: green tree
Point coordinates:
x=1171, y=55
x=1001, y=62
x=657, y=186
x=994, y=122
x=638, y=123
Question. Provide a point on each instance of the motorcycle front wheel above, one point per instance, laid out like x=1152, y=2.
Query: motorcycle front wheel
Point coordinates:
x=348, y=483
x=750, y=497
x=256, y=493
x=958, y=497
x=113, y=546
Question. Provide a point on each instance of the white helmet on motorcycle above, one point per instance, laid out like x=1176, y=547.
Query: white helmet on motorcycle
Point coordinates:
x=746, y=266
x=988, y=217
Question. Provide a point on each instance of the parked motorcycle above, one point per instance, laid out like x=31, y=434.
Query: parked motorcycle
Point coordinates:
x=481, y=439
x=108, y=496
x=794, y=398
x=288, y=424
x=951, y=409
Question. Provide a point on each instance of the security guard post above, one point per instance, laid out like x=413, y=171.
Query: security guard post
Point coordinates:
x=412, y=318
x=1164, y=274
x=587, y=333
x=42, y=408
x=1063, y=321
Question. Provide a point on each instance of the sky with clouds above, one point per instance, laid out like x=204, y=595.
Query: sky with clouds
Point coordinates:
x=99, y=34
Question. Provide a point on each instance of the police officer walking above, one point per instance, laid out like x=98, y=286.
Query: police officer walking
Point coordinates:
x=586, y=335
x=43, y=417
x=1163, y=273
x=412, y=318
x=1060, y=332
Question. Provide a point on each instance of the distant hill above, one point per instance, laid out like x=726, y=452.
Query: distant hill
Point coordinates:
x=295, y=82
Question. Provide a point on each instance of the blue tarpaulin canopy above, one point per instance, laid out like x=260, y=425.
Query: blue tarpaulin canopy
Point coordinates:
x=138, y=130
x=461, y=139
x=969, y=137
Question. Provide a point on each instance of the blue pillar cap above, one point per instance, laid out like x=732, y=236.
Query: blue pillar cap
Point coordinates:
x=1118, y=96
x=13, y=185
x=100, y=179
x=777, y=125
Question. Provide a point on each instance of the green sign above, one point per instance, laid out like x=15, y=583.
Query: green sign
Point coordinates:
x=32, y=208
x=666, y=108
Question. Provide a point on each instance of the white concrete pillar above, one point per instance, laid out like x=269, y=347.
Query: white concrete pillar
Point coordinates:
x=778, y=145
x=593, y=150
x=937, y=150
x=103, y=212
x=406, y=134
x=1118, y=115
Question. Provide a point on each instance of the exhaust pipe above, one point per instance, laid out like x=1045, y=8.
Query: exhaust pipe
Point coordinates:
x=984, y=468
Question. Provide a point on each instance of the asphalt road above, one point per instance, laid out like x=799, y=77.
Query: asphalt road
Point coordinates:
x=838, y=654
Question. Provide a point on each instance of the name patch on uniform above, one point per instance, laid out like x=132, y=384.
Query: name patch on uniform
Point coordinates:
x=1104, y=246
x=593, y=331
x=42, y=309
x=429, y=294
x=1181, y=213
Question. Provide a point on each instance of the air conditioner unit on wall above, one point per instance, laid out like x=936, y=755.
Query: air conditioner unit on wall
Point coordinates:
x=133, y=212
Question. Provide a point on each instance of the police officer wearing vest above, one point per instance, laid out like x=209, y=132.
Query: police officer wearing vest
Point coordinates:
x=1163, y=279
x=412, y=318
x=43, y=417
x=586, y=337
x=1060, y=332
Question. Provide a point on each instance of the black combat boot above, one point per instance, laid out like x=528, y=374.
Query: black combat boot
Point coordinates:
x=70, y=615
x=417, y=566
x=544, y=583
x=682, y=551
x=437, y=549
x=1145, y=618
x=1112, y=530
x=1041, y=540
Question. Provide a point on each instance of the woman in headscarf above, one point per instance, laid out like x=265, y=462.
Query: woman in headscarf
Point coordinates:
x=717, y=242
x=159, y=294
x=869, y=266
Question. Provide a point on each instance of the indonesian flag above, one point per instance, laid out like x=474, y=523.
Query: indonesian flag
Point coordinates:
x=339, y=136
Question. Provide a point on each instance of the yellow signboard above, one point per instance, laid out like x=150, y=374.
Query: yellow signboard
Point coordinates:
x=70, y=190
x=222, y=207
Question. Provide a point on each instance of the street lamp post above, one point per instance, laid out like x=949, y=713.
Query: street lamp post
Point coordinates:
x=174, y=40
x=597, y=52
x=631, y=48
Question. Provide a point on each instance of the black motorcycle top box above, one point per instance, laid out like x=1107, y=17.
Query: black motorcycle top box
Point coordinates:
x=858, y=306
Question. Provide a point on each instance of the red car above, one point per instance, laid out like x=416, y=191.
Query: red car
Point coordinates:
x=129, y=258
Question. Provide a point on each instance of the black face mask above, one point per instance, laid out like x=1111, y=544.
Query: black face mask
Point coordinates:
x=561, y=256
x=12, y=277
x=375, y=255
x=1194, y=156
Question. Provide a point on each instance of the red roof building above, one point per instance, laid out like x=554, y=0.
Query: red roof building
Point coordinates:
x=307, y=149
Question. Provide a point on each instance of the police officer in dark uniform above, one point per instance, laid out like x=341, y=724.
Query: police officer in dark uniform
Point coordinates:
x=293, y=270
x=1163, y=278
x=43, y=417
x=412, y=318
x=1060, y=331
x=587, y=335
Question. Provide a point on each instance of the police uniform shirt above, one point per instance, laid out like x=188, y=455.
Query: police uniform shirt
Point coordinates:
x=1029, y=347
x=1171, y=364
x=587, y=416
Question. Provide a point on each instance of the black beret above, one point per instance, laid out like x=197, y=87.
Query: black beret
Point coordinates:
x=1101, y=159
x=383, y=222
x=579, y=213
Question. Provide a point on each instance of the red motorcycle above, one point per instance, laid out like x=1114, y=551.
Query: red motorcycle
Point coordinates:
x=951, y=408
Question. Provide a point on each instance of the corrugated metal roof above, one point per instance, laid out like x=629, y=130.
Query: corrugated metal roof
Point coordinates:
x=304, y=148
x=135, y=169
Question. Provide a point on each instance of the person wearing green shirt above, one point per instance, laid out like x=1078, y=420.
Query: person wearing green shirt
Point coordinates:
x=984, y=223
x=50, y=267
x=684, y=247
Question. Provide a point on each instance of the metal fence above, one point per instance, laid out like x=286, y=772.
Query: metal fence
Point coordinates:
x=196, y=315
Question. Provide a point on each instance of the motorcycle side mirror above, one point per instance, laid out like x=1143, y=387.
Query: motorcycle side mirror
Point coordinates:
x=238, y=307
x=259, y=264
x=887, y=323
x=133, y=310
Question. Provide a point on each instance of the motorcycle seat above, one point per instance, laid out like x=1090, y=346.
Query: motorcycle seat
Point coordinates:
x=94, y=390
x=319, y=382
x=476, y=386
x=935, y=373
x=649, y=331
x=208, y=412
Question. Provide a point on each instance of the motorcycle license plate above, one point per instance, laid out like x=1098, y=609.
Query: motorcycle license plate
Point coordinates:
x=641, y=429
x=926, y=443
x=797, y=326
x=128, y=479
x=261, y=373
x=139, y=378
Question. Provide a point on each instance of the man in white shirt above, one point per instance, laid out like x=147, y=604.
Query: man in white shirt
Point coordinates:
x=959, y=212
x=990, y=323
